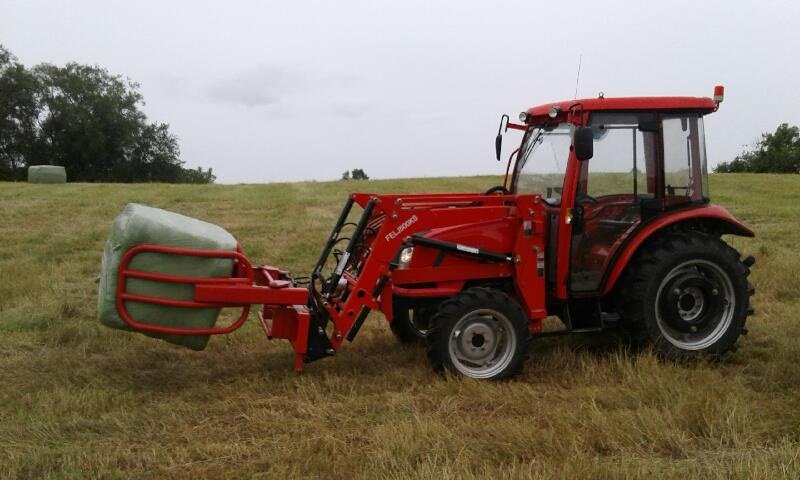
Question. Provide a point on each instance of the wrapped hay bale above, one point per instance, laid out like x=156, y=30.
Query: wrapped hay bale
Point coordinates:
x=47, y=174
x=139, y=224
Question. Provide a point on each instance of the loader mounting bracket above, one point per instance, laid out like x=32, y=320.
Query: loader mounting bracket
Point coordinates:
x=318, y=346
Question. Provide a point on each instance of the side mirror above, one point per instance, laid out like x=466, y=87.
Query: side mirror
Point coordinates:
x=583, y=143
x=498, y=140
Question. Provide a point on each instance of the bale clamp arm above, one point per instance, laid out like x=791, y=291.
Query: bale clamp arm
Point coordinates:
x=247, y=286
x=243, y=276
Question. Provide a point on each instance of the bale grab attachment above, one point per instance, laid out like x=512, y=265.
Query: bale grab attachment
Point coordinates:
x=316, y=318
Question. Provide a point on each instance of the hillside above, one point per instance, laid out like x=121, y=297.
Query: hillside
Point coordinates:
x=83, y=401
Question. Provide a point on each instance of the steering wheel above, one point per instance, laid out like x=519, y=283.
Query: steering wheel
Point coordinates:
x=585, y=197
x=497, y=189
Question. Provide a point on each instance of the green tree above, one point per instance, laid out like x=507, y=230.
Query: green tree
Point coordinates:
x=87, y=120
x=19, y=113
x=154, y=157
x=359, y=174
x=197, y=176
x=91, y=123
x=777, y=152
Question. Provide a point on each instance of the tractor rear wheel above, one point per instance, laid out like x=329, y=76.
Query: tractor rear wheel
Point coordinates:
x=479, y=333
x=688, y=294
x=410, y=325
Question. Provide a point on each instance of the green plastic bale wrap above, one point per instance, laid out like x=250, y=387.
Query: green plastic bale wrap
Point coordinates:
x=139, y=224
x=47, y=174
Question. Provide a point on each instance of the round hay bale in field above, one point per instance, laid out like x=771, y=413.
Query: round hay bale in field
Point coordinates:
x=47, y=174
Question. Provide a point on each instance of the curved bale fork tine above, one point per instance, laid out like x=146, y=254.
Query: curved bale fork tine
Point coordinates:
x=284, y=313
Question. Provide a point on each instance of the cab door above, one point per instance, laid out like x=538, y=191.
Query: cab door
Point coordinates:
x=610, y=191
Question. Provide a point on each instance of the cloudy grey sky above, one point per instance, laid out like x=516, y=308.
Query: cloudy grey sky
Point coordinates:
x=277, y=90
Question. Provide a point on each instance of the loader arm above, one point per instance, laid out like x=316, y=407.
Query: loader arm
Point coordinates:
x=364, y=275
x=365, y=268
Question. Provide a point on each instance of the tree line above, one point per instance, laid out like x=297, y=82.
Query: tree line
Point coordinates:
x=87, y=120
x=777, y=152
x=355, y=174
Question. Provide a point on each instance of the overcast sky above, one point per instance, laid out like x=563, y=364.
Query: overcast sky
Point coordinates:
x=270, y=91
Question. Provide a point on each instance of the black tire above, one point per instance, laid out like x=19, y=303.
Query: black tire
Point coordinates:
x=410, y=325
x=686, y=293
x=484, y=324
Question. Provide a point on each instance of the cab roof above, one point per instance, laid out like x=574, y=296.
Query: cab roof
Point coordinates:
x=700, y=104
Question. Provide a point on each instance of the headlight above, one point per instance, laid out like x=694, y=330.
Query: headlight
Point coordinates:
x=405, y=257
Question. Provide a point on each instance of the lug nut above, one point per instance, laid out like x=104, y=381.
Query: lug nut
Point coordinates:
x=693, y=329
x=677, y=291
x=715, y=292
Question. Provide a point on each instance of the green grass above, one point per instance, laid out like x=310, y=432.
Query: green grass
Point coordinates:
x=78, y=400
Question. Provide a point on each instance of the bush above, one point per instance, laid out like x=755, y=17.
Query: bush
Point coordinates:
x=355, y=174
x=777, y=152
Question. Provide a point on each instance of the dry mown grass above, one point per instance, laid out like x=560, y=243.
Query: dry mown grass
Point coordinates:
x=80, y=400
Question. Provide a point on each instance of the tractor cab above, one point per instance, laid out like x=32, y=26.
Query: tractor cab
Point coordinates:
x=604, y=168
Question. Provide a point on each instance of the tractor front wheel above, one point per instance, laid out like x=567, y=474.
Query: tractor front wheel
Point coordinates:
x=479, y=333
x=688, y=294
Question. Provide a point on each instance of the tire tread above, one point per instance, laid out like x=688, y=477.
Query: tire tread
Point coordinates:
x=455, y=307
x=645, y=267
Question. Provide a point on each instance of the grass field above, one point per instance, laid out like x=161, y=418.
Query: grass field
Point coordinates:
x=78, y=400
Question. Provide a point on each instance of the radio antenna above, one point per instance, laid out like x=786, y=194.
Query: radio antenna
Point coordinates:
x=578, y=77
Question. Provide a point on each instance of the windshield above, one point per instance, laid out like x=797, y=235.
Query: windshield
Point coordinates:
x=543, y=161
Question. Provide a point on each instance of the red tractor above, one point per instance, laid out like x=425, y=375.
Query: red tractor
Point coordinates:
x=603, y=220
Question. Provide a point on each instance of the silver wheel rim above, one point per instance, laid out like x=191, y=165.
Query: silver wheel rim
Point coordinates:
x=701, y=339
x=482, y=343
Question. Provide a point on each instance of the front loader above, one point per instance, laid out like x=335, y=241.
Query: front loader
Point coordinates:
x=603, y=220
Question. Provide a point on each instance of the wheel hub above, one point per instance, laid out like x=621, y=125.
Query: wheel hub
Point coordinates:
x=694, y=304
x=477, y=341
x=689, y=302
x=482, y=343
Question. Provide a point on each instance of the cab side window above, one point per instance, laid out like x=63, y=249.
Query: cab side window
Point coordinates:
x=685, y=170
x=624, y=161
